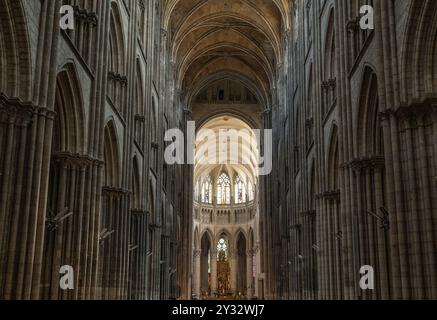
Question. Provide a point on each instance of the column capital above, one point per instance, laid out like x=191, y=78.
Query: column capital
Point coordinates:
x=197, y=253
x=15, y=111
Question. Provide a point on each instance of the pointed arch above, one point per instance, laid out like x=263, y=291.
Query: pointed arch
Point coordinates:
x=223, y=233
x=69, y=126
x=68, y=145
x=240, y=232
x=111, y=156
x=223, y=188
x=329, y=52
x=208, y=233
x=310, y=92
x=139, y=110
x=333, y=160
x=136, y=185
x=240, y=189
x=15, y=58
x=369, y=131
x=207, y=190
x=330, y=66
x=206, y=249
x=241, y=252
x=135, y=231
x=154, y=120
x=116, y=41
x=223, y=245
x=139, y=105
x=419, y=52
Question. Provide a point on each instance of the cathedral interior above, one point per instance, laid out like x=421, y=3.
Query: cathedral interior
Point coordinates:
x=86, y=192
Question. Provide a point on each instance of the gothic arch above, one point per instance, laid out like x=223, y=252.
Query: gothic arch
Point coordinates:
x=139, y=89
x=228, y=235
x=136, y=185
x=419, y=48
x=370, y=180
x=369, y=131
x=333, y=160
x=248, y=157
x=211, y=38
x=154, y=120
x=15, y=59
x=69, y=128
x=264, y=17
x=201, y=72
x=310, y=90
x=329, y=74
x=329, y=45
x=223, y=186
x=136, y=221
x=111, y=156
x=116, y=41
x=241, y=250
x=206, y=255
x=310, y=112
x=238, y=233
x=139, y=112
x=67, y=147
x=216, y=40
x=209, y=234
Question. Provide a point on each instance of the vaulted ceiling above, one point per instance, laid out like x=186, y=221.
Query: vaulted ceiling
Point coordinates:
x=213, y=141
x=213, y=39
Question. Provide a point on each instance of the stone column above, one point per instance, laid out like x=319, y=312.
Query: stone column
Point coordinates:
x=213, y=272
x=249, y=271
x=197, y=272
x=233, y=266
x=382, y=235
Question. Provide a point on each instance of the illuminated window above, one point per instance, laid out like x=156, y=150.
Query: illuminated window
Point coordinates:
x=240, y=190
x=196, y=191
x=251, y=192
x=224, y=189
x=207, y=190
x=222, y=248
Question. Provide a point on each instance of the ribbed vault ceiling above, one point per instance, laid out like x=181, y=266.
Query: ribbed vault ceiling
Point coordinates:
x=210, y=39
x=248, y=153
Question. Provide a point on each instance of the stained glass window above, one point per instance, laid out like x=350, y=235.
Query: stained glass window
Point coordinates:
x=240, y=190
x=223, y=189
x=196, y=191
x=222, y=248
x=251, y=192
x=207, y=190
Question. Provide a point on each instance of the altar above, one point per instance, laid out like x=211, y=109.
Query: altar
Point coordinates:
x=223, y=275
